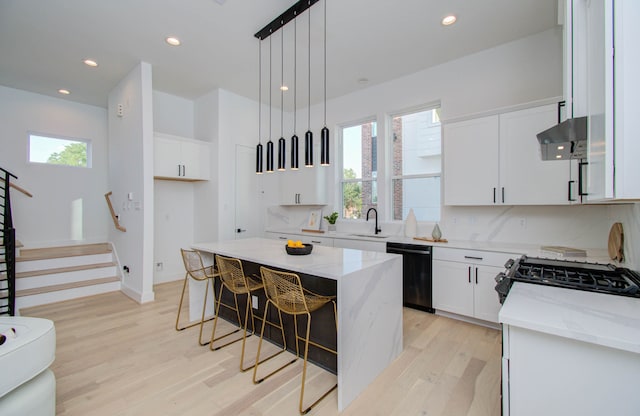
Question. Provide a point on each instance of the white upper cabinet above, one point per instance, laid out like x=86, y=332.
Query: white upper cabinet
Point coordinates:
x=495, y=160
x=471, y=161
x=525, y=178
x=178, y=158
x=305, y=186
x=613, y=96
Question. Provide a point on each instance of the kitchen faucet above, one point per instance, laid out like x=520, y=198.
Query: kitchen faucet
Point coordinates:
x=377, y=230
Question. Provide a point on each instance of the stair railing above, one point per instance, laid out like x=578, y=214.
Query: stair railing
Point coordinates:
x=7, y=247
x=116, y=220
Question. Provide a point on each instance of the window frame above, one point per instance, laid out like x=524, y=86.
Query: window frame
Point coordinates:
x=88, y=142
x=374, y=179
x=390, y=177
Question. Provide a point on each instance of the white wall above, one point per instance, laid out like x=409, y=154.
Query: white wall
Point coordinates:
x=46, y=219
x=131, y=171
x=173, y=200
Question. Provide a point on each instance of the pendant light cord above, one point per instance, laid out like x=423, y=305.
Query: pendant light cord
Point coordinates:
x=295, y=72
x=309, y=104
x=259, y=91
x=325, y=63
x=282, y=83
x=269, y=88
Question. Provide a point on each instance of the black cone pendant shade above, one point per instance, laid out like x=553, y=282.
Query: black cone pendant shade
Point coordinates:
x=270, y=156
x=281, y=153
x=308, y=149
x=324, y=146
x=294, y=152
x=259, y=159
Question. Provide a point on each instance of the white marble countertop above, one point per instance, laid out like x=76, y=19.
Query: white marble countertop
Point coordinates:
x=329, y=262
x=607, y=320
x=531, y=250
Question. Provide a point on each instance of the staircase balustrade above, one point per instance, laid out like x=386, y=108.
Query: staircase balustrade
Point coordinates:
x=7, y=247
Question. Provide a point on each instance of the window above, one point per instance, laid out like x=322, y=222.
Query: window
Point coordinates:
x=359, y=169
x=59, y=151
x=416, y=165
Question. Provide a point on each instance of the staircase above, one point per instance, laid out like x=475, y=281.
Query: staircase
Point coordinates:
x=54, y=274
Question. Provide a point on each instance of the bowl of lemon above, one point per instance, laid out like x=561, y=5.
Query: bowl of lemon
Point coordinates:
x=296, y=248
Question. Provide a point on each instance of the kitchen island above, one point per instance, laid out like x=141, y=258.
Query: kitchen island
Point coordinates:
x=369, y=300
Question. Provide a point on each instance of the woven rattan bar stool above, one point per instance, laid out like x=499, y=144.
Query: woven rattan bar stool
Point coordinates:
x=233, y=279
x=285, y=292
x=197, y=271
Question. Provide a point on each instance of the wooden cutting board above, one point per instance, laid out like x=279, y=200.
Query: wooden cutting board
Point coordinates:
x=616, y=239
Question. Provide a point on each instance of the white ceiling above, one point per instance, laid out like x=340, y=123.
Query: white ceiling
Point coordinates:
x=43, y=43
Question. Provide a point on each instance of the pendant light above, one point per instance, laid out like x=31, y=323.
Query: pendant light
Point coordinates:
x=259, y=151
x=281, y=142
x=270, y=143
x=308, y=136
x=294, y=138
x=324, y=133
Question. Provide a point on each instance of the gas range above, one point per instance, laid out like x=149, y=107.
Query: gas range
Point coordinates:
x=593, y=277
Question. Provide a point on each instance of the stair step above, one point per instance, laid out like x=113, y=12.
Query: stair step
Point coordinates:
x=65, y=294
x=27, y=254
x=64, y=269
x=65, y=286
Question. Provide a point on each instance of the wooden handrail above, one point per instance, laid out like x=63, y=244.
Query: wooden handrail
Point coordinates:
x=113, y=213
x=21, y=189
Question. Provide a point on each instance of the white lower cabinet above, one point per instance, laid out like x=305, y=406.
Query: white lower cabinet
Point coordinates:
x=464, y=282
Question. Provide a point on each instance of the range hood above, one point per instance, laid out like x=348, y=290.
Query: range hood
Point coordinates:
x=567, y=140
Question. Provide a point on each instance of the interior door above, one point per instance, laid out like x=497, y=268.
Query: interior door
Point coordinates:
x=248, y=215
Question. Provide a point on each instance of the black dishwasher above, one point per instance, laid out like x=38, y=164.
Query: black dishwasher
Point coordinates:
x=416, y=274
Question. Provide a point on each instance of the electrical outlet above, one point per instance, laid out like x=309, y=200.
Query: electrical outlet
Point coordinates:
x=254, y=301
x=159, y=266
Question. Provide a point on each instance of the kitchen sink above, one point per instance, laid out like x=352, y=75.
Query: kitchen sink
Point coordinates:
x=371, y=235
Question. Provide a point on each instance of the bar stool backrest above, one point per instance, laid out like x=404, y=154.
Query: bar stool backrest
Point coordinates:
x=284, y=290
x=193, y=264
x=231, y=273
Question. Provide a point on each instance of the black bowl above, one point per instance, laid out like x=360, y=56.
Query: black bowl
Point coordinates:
x=299, y=251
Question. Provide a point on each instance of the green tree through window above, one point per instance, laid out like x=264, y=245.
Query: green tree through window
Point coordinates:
x=74, y=154
x=352, y=195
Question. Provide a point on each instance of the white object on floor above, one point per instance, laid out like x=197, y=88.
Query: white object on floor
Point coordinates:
x=26, y=382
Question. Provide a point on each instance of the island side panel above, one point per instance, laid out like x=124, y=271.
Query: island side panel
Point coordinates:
x=369, y=326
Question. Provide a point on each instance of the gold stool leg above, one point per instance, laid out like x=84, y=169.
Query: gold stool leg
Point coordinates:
x=284, y=341
x=178, y=327
x=304, y=366
x=215, y=322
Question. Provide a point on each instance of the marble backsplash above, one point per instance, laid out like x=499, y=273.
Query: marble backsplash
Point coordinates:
x=580, y=226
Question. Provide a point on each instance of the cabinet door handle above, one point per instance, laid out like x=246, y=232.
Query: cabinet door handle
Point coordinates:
x=581, y=181
x=469, y=273
x=476, y=275
x=473, y=257
x=560, y=105
x=494, y=195
x=570, y=191
x=316, y=242
x=282, y=238
x=179, y=170
x=503, y=194
x=184, y=170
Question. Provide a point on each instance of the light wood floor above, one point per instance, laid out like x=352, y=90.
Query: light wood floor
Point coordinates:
x=115, y=357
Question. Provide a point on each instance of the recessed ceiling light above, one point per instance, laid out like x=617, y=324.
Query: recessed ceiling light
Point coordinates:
x=63, y=91
x=284, y=88
x=558, y=156
x=173, y=41
x=560, y=147
x=449, y=20
x=90, y=62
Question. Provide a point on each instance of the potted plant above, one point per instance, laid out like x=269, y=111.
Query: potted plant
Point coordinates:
x=331, y=219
